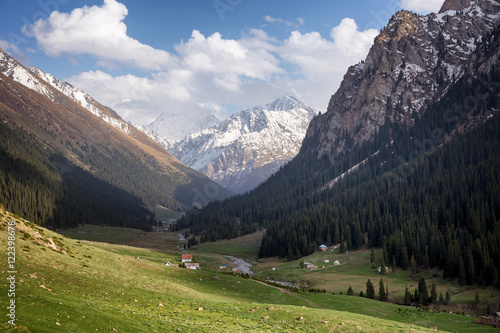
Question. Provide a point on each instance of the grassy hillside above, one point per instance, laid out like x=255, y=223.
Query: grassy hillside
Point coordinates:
x=66, y=285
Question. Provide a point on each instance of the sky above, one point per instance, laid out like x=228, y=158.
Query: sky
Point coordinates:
x=198, y=57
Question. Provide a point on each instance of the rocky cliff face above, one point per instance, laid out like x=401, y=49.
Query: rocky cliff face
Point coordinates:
x=244, y=150
x=414, y=60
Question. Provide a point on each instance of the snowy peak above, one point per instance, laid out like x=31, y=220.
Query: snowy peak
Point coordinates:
x=86, y=101
x=177, y=126
x=245, y=149
x=41, y=82
x=11, y=68
x=287, y=103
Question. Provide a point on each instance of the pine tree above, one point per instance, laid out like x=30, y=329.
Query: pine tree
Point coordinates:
x=342, y=248
x=447, y=298
x=350, y=292
x=434, y=295
x=370, y=290
x=289, y=252
x=382, y=266
x=407, y=299
x=476, y=302
x=413, y=265
x=441, y=297
x=381, y=290
x=423, y=293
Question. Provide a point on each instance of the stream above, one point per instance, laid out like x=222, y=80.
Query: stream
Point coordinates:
x=241, y=264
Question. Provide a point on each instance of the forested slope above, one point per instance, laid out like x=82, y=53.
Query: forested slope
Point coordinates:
x=430, y=191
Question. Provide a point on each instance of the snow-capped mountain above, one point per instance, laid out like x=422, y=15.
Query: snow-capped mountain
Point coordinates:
x=251, y=145
x=177, y=126
x=30, y=77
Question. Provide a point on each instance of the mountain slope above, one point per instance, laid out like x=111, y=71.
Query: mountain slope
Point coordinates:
x=72, y=144
x=417, y=185
x=244, y=150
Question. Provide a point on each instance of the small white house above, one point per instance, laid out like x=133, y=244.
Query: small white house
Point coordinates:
x=192, y=265
x=323, y=247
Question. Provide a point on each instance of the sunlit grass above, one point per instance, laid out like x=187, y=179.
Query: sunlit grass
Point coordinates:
x=85, y=285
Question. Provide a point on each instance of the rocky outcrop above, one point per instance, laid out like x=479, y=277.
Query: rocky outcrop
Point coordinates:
x=455, y=5
x=414, y=60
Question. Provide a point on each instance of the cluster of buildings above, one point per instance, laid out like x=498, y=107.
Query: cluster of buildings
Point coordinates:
x=187, y=260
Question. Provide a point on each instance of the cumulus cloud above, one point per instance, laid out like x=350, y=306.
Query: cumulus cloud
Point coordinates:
x=98, y=31
x=322, y=62
x=206, y=73
x=422, y=6
x=227, y=60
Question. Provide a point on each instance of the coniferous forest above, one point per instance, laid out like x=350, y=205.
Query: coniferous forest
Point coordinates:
x=423, y=194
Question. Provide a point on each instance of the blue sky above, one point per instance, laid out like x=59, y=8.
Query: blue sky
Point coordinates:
x=143, y=58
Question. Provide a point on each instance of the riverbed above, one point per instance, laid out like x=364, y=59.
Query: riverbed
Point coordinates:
x=242, y=265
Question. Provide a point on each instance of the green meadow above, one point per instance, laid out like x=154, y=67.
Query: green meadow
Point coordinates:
x=66, y=284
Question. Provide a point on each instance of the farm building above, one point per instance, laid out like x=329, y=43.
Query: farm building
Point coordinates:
x=323, y=247
x=187, y=258
x=494, y=320
x=193, y=265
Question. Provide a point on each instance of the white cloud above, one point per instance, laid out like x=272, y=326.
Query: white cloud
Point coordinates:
x=422, y=6
x=98, y=31
x=8, y=47
x=226, y=58
x=205, y=74
x=322, y=62
x=275, y=20
x=271, y=19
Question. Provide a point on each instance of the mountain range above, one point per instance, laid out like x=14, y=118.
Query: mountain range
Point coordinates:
x=100, y=168
x=244, y=150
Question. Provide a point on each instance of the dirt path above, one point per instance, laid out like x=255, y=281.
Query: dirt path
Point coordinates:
x=292, y=294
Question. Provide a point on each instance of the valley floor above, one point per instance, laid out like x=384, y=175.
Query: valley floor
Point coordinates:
x=69, y=285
